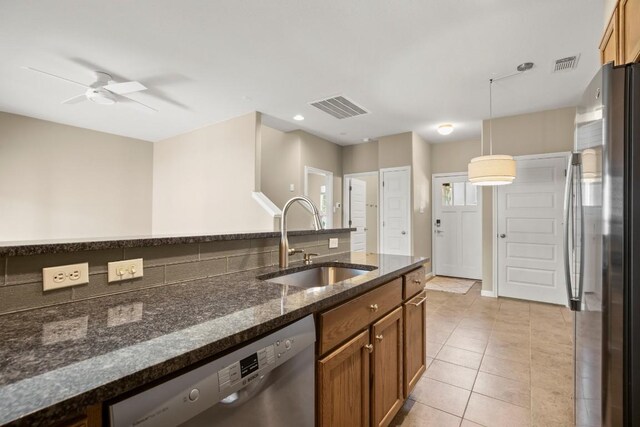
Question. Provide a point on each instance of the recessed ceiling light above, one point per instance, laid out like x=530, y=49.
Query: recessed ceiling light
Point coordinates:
x=298, y=117
x=445, y=129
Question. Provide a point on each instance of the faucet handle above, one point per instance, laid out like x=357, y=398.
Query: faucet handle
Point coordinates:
x=307, y=258
x=295, y=251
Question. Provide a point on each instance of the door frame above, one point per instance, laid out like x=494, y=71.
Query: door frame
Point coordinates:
x=329, y=177
x=433, y=211
x=345, y=206
x=494, y=225
x=381, y=207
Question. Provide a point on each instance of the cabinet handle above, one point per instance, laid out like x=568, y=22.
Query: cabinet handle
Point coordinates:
x=373, y=307
x=379, y=337
x=417, y=281
x=423, y=299
x=369, y=347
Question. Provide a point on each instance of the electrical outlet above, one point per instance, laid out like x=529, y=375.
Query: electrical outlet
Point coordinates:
x=125, y=270
x=333, y=243
x=65, y=275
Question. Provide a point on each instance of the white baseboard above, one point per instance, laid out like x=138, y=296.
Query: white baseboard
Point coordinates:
x=428, y=276
x=490, y=294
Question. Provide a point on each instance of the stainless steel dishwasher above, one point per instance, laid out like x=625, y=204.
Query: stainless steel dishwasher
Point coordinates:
x=269, y=382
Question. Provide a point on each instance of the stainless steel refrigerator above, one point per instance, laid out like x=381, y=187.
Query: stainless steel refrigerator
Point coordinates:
x=602, y=249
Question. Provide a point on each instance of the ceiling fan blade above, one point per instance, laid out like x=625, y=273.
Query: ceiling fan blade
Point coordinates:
x=75, y=99
x=125, y=87
x=57, y=77
x=138, y=104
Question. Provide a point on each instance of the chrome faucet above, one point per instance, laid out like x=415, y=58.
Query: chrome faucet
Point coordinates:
x=285, y=252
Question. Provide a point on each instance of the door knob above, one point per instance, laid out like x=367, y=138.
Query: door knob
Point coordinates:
x=403, y=232
x=502, y=236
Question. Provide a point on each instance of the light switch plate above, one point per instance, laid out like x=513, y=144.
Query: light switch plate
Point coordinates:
x=63, y=276
x=333, y=243
x=125, y=270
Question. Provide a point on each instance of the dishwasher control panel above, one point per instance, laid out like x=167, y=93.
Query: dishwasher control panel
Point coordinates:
x=177, y=400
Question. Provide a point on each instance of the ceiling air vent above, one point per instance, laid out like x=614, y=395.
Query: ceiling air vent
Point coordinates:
x=566, y=64
x=339, y=107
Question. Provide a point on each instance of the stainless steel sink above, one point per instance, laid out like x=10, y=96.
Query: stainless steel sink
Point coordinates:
x=318, y=276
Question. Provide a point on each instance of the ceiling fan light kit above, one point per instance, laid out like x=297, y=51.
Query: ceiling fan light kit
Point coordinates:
x=498, y=169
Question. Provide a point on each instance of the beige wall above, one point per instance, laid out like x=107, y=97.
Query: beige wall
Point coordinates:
x=203, y=180
x=449, y=157
x=421, y=170
x=65, y=182
x=395, y=150
x=322, y=154
x=284, y=156
x=360, y=158
x=548, y=131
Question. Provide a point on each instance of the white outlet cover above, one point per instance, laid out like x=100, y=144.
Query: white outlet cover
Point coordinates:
x=63, y=276
x=333, y=243
x=125, y=270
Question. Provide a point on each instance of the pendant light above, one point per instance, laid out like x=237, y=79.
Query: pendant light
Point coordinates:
x=494, y=169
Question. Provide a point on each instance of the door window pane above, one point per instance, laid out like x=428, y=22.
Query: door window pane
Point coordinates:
x=447, y=194
x=458, y=193
x=472, y=195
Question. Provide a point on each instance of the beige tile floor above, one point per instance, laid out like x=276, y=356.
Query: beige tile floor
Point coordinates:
x=493, y=362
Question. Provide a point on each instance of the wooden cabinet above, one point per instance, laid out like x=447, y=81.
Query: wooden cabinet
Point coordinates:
x=621, y=40
x=413, y=282
x=344, y=321
x=343, y=384
x=386, y=362
x=629, y=30
x=371, y=353
x=610, y=45
x=415, y=341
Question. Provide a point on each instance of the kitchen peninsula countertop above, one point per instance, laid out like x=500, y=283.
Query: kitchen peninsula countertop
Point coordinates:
x=56, y=361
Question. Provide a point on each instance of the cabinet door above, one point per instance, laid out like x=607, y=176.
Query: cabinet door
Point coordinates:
x=415, y=341
x=629, y=11
x=343, y=385
x=387, y=398
x=610, y=46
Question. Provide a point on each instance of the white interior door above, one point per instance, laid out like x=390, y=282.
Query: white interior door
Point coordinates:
x=358, y=214
x=529, y=220
x=457, y=227
x=396, y=212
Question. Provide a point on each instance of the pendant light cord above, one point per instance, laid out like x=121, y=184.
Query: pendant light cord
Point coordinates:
x=491, y=111
x=490, y=118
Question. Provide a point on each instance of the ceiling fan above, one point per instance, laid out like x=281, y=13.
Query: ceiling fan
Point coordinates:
x=103, y=91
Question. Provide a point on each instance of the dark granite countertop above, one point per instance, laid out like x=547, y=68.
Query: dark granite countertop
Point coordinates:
x=75, y=245
x=55, y=361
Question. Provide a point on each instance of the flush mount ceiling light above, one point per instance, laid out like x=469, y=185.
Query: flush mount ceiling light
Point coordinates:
x=494, y=169
x=445, y=129
x=298, y=117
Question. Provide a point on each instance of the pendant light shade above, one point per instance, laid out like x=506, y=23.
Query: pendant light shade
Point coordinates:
x=492, y=170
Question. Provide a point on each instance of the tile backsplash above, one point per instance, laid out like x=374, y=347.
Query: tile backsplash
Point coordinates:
x=21, y=276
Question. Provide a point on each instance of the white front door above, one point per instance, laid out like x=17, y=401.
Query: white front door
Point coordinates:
x=396, y=211
x=358, y=214
x=529, y=220
x=457, y=227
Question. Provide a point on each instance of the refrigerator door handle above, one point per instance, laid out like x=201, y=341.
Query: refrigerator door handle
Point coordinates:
x=580, y=207
x=574, y=163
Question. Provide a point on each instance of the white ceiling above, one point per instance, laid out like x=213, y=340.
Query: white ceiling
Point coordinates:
x=413, y=63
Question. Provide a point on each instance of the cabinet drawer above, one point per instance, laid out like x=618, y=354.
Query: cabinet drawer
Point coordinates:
x=338, y=324
x=413, y=282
